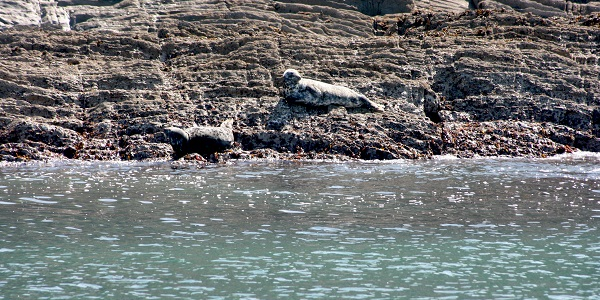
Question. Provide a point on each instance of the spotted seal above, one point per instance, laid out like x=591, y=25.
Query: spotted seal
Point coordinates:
x=203, y=140
x=311, y=92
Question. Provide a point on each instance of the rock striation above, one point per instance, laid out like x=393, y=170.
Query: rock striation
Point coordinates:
x=546, y=8
x=42, y=13
x=480, y=82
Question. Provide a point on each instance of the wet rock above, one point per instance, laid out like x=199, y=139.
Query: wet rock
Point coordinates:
x=70, y=152
x=25, y=130
x=103, y=129
x=145, y=151
x=431, y=105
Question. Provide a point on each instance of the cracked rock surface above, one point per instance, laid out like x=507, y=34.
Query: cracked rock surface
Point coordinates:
x=452, y=80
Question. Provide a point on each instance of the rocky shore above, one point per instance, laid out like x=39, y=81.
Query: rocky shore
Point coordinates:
x=101, y=80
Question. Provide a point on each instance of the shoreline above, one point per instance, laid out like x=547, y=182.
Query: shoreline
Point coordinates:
x=190, y=164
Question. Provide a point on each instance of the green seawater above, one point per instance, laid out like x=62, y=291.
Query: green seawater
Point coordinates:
x=436, y=229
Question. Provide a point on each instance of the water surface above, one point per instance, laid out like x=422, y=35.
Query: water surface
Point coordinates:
x=451, y=229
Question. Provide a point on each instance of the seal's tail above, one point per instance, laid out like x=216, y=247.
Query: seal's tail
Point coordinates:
x=374, y=107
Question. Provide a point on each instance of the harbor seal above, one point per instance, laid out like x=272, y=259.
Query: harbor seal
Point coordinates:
x=203, y=140
x=311, y=92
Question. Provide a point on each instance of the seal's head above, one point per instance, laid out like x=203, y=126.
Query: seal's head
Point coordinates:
x=178, y=139
x=291, y=77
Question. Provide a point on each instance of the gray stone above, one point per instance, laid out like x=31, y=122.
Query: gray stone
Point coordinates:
x=44, y=13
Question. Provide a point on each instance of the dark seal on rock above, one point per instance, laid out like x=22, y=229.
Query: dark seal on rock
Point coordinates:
x=315, y=93
x=203, y=140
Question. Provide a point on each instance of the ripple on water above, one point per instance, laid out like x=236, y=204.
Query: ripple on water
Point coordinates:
x=38, y=199
x=170, y=235
x=169, y=220
x=107, y=200
x=293, y=212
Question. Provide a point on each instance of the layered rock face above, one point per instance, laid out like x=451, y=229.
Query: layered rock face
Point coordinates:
x=545, y=8
x=452, y=81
